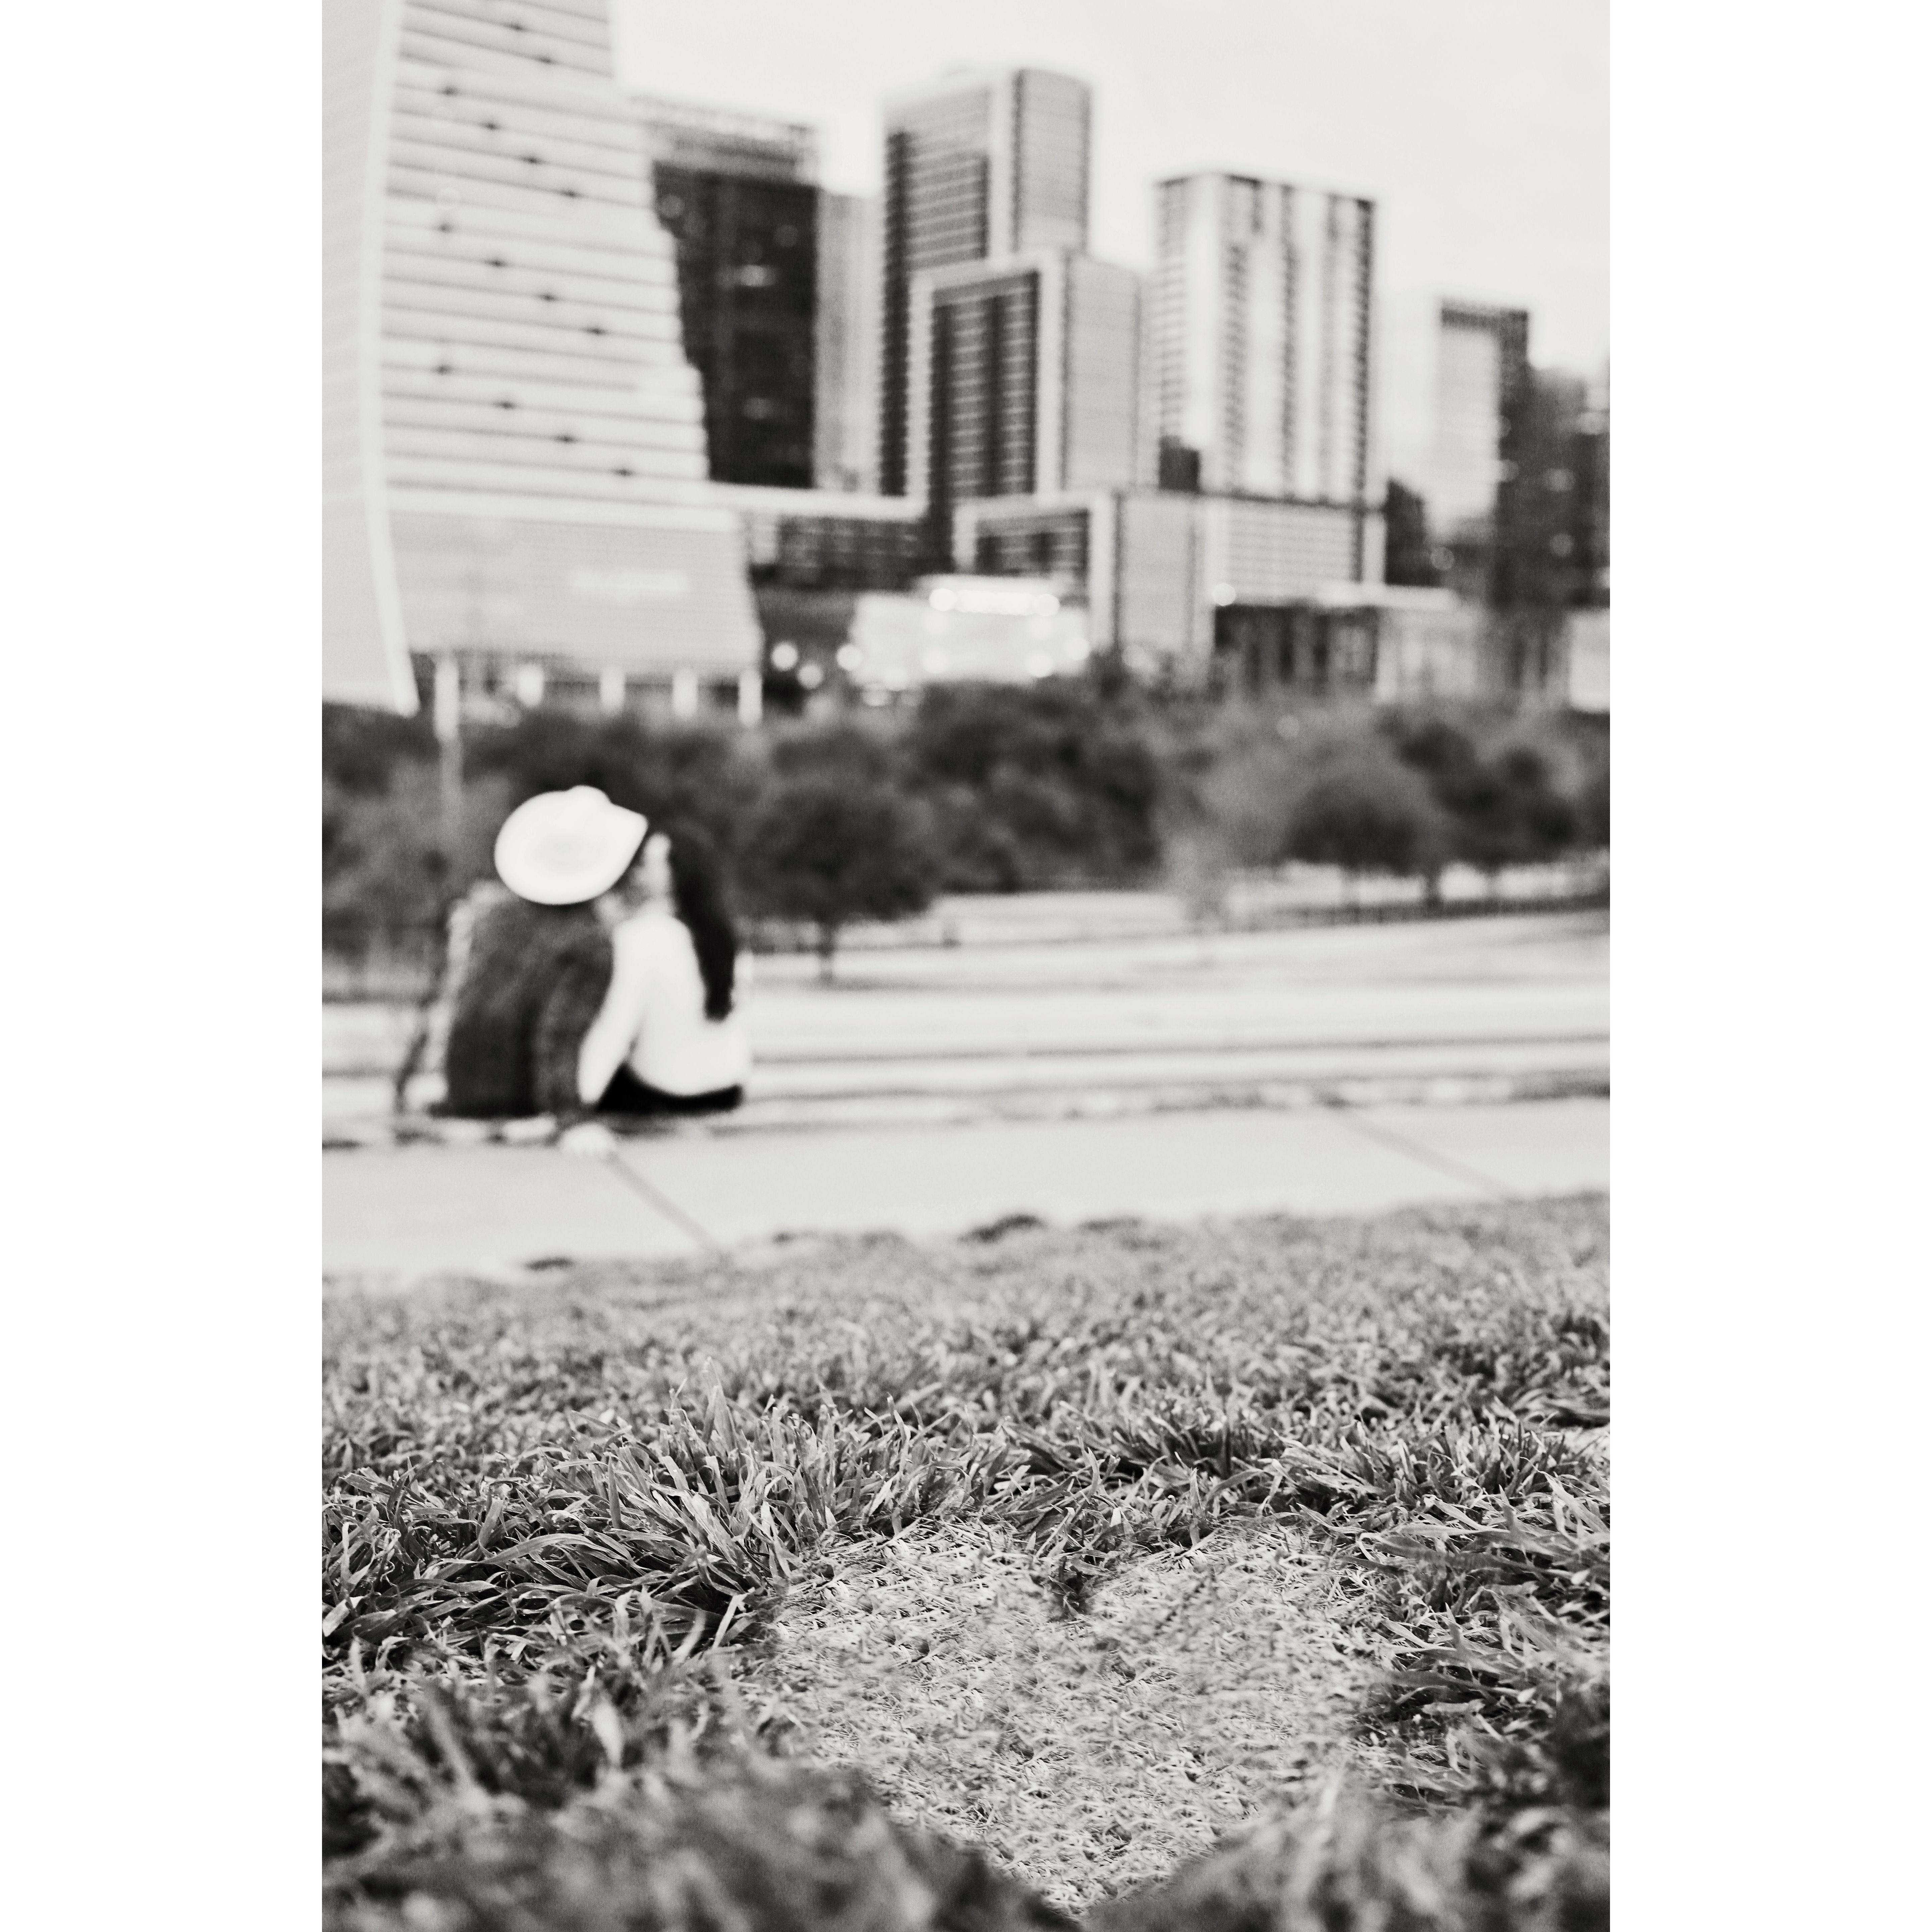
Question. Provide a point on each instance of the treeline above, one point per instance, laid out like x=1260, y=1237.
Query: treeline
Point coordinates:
x=976, y=789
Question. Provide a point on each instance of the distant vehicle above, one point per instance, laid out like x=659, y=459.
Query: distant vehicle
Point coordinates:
x=995, y=630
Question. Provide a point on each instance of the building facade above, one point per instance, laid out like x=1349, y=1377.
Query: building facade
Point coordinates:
x=1176, y=581
x=735, y=193
x=979, y=167
x=725, y=141
x=513, y=440
x=1454, y=381
x=1260, y=363
x=747, y=299
x=846, y=420
x=1022, y=380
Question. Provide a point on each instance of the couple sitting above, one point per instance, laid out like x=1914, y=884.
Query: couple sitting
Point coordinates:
x=603, y=982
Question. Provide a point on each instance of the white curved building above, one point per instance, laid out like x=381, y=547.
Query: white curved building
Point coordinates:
x=513, y=446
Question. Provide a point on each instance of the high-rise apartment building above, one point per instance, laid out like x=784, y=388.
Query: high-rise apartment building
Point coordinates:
x=735, y=193
x=846, y=417
x=1482, y=371
x=1022, y=379
x=1454, y=378
x=1260, y=337
x=979, y=167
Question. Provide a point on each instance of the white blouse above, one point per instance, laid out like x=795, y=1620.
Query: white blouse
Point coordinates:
x=653, y=1016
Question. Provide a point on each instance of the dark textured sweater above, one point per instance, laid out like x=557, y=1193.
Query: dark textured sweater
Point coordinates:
x=534, y=980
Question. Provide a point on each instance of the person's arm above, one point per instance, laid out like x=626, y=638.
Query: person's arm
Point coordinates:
x=571, y=1007
x=614, y=1032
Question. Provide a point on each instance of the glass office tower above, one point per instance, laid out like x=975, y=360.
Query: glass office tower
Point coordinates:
x=735, y=193
x=747, y=299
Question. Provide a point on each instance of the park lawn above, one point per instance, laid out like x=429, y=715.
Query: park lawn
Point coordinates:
x=1249, y=1574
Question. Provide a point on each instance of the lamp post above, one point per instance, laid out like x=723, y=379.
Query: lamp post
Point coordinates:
x=448, y=715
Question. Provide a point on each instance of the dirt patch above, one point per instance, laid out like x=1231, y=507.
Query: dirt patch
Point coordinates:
x=1087, y=1753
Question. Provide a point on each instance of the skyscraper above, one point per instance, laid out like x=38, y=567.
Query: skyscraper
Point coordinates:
x=1454, y=375
x=1022, y=379
x=979, y=167
x=846, y=417
x=735, y=193
x=513, y=446
x=1261, y=334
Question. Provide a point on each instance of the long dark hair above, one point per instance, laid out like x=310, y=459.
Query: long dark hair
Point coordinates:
x=697, y=898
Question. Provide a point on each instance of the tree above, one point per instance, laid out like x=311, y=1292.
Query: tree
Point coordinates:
x=363, y=748
x=1544, y=822
x=859, y=749
x=696, y=774
x=828, y=850
x=1369, y=815
x=385, y=879
x=1503, y=809
x=1045, y=784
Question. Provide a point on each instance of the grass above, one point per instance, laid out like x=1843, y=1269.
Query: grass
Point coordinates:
x=1247, y=1575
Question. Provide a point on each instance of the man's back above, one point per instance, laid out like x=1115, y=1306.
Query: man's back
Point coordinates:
x=533, y=982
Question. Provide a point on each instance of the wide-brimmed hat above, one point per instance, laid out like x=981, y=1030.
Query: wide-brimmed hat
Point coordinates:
x=563, y=848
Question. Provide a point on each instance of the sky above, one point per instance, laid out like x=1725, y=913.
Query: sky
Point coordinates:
x=1480, y=128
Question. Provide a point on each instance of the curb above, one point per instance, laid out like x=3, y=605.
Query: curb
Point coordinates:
x=982, y=1109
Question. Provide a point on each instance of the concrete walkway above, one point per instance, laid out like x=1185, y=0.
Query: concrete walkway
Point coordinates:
x=397, y=1213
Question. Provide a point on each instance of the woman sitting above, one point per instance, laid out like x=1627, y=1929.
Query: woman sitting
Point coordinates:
x=529, y=969
x=669, y=1038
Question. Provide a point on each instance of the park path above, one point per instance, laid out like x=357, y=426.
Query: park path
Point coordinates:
x=394, y=1215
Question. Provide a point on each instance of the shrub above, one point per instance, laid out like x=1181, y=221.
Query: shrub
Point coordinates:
x=385, y=876
x=852, y=748
x=828, y=849
x=1051, y=783
x=699, y=775
x=1372, y=820
x=362, y=748
x=1503, y=804
x=1011, y=788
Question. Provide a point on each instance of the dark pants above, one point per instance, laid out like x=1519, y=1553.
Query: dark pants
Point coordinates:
x=628, y=1095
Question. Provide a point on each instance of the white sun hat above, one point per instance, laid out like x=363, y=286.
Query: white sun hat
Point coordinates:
x=563, y=848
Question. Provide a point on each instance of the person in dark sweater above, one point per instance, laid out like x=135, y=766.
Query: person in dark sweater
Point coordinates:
x=531, y=967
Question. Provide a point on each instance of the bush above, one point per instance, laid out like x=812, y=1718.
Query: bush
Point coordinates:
x=868, y=749
x=1523, y=791
x=1502, y=808
x=1370, y=819
x=362, y=748
x=1036, y=786
x=386, y=880
x=828, y=849
x=704, y=776
x=1003, y=789
x=1328, y=790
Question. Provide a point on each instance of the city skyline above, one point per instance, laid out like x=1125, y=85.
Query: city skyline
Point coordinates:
x=1480, y=130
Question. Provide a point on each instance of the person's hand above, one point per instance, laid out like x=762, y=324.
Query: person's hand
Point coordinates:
x=532, y=1132
x=588, y=1137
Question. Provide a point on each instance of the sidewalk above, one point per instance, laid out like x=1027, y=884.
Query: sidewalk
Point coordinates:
x=390, y=1215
